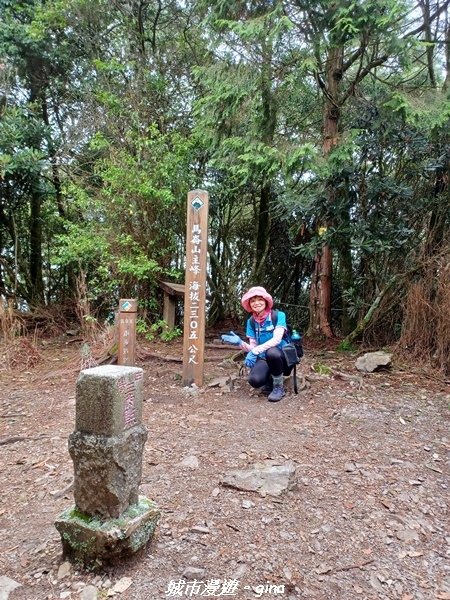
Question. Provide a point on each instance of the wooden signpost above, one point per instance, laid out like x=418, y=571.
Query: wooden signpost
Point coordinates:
x=195, y=288
x=127, y=332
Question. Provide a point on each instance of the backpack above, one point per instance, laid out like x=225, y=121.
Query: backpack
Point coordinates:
x=291, y=343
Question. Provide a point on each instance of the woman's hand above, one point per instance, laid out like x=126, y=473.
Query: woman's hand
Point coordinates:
x=250, y=360
x=231, y=338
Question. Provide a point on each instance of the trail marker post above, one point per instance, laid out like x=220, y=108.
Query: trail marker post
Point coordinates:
x=127, y=332
x=195, y=287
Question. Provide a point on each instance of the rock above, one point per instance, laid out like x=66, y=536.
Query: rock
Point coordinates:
x=445, y=586
x=190, y=461
x=373, y=361
x=200, y=529
x=376, y=583
x=7, y=585
x=247, y=504
x=323, y=568
x=107, y=470
x=222, y=382
x=64, y=570
x=79, y=585
x=191, y=390
x=72, y=332
x=240, y=572
x=191, y=573
x=88, y=541
x=407, y=535
x=350, y=467
x=268, y=477
x=89, y=593
x=122, y=585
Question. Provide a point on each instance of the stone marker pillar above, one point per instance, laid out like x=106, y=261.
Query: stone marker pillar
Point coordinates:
x=109, y=520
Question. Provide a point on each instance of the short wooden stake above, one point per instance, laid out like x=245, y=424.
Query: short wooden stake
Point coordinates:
x=127, y=332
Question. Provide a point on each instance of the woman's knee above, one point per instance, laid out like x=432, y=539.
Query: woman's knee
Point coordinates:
x=258, y=375
x=255, y=380
x=274, y=354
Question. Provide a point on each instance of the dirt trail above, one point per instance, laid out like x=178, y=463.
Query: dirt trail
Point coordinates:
x=368, y=517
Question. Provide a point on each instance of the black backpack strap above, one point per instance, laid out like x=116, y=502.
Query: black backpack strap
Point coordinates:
x=273, y=316
x=294, y=374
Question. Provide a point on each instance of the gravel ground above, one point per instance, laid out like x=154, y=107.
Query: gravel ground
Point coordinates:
x=367, y=516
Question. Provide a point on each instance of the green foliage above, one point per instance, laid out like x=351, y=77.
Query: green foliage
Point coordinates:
x=158, y=329
x=107, y=120
x=321, y=369
x=346, y=346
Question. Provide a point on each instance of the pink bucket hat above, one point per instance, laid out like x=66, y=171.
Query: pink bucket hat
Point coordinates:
x=256, y=291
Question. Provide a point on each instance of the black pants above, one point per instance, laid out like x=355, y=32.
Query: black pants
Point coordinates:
x=274, y=364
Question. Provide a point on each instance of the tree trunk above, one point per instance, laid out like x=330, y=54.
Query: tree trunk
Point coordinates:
x=320, y=294
x=37, y=284
x=263, y=234
x=38, y=84
x=268, y=122
x=425, y=7
x=446, y=85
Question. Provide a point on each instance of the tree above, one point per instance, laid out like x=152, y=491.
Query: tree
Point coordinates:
x=31, y=43
x=237, y=109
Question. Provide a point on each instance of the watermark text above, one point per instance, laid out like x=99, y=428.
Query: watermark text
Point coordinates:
x=217, y=587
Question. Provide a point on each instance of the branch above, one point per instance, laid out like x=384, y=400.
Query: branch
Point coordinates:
x=394, y=281
x=431, y=19
x=323, y=87
x=353, y=58
x=363, y=73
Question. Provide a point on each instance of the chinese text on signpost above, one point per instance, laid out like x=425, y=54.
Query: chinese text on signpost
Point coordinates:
x=195, y=287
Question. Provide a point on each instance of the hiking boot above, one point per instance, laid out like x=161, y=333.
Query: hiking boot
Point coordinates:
x=276, y=394
x=266, y=389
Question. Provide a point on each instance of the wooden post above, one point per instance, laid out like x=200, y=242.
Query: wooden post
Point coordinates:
x=169, y=306
x=195, y=287
x=127, y=332
x=171, y=292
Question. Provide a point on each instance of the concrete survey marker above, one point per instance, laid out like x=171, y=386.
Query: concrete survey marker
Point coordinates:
x=109, y=520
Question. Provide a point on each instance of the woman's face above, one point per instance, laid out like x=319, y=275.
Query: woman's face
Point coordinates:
x=257, y=304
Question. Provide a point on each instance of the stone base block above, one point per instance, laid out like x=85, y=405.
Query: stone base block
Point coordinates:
x=107, y=471
x=93, y=542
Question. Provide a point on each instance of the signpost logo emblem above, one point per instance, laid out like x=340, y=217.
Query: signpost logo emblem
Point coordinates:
x=197, y=203
x=126, y=305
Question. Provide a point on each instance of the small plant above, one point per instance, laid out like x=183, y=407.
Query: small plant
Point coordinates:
x=167, y=334
x=158, y=329
x=142, y=327
x=321, y=369
x=346, y=346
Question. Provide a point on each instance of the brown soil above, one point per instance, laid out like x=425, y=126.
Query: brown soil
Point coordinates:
x=368, y=517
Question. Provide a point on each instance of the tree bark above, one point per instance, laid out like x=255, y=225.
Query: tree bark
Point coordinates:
x=425, y=7
x=36, y=280
x=321, y=283
x=268, y=130
x=263, y=233
x=38, y=83
x=446, y=85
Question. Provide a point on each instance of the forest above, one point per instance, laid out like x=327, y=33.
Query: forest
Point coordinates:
x=320, y=130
